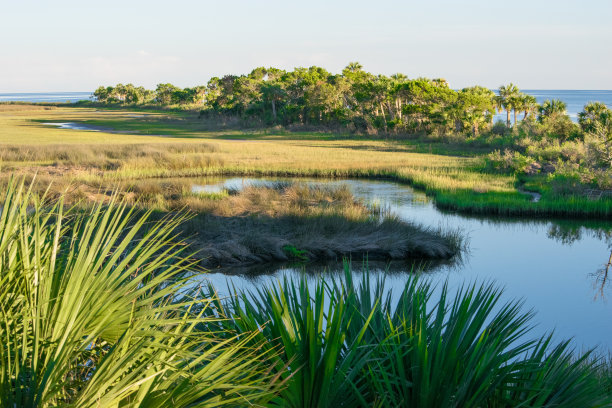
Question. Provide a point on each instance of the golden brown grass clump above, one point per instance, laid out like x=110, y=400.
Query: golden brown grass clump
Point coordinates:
x=287, y=221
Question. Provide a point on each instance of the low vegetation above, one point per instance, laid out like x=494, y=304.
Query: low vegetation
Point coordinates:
x=278, y=222
x=488, y=174
x=295, y=222
x=536, y=139
x=96, y=311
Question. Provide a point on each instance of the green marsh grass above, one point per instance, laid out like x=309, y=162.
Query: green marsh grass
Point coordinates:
x=456, y=182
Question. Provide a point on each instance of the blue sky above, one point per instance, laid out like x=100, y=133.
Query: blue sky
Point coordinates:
x=69, y=45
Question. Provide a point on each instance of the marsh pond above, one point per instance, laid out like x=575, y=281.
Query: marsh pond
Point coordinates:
x=557, y=267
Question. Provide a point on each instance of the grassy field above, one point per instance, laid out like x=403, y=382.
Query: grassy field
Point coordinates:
x=131, y=145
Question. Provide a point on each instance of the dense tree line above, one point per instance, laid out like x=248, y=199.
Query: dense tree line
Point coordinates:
x=362, y=102
x=358, y=99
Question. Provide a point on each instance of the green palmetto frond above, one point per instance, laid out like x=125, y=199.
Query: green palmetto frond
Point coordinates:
x=320, y=367
x=94, y=312
x=353, y=344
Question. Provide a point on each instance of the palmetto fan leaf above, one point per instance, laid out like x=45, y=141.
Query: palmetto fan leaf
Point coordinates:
x=94, y=312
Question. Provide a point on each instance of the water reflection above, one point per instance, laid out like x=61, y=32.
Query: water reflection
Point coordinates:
x=555, y=265
x=601, y=279
x=568, y=233
x=314, y=269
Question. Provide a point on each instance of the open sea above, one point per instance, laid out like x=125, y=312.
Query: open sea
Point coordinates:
x=54, y=97
x=575, y=99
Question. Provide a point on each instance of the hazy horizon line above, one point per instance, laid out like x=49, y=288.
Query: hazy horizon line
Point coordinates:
x=522, y=89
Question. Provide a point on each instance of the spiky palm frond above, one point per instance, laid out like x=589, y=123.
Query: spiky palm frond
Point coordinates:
x=348, y=343
x=94, y=313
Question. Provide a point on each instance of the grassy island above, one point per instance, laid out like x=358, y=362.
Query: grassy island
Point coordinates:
x=285, y=222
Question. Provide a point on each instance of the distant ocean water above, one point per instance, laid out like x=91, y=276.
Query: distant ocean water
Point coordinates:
x=45, y=97
x=575, y=99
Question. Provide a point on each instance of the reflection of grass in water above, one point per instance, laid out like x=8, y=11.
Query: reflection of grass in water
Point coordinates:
x=334, y=268
x=568, y=232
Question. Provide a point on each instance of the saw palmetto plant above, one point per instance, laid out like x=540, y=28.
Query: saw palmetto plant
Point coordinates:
x=94, y=312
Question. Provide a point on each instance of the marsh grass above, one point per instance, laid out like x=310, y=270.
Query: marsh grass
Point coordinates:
x=517, y=204
x=456, y=182
x=169, y=155
x=252, y=225
x=255, y=224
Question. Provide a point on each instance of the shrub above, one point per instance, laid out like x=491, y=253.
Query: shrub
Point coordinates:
x=500, y=128
x=508, y=161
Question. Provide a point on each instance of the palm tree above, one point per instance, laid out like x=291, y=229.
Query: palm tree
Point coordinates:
x=552, y=109
x=507, y=96
x=529, y=105
x=517, y=105
x=596, y=121
x=590, y=115
x=474, y=105
x=354, y=67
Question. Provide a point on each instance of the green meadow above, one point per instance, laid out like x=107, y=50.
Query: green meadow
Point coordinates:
x=128, y=144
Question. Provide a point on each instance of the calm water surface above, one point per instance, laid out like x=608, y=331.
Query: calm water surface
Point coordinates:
x=45, y=97
x=554, y=265
x=574, y=99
